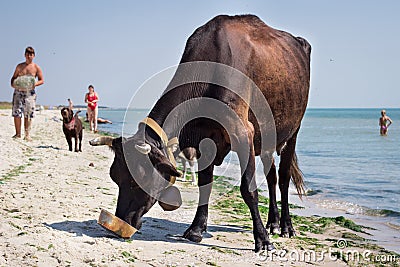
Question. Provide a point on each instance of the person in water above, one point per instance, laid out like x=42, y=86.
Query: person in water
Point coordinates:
x=91, y=98
x=24, y=98
x=99, y=120
x=384, y=122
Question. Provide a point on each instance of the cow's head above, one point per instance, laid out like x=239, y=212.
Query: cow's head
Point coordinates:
x=141, y=170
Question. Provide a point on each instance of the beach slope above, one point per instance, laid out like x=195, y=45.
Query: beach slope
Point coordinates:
x=51, y=198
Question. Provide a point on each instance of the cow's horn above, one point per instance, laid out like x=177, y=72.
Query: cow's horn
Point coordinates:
x=144, y=148
x=101, y=141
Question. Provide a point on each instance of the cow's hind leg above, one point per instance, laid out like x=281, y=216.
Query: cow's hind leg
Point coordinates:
x=248, y=189
x=288, y=168
x=199, y=225
x=273, y=213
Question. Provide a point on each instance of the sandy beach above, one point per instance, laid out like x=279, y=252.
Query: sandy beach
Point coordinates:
x=51, y=198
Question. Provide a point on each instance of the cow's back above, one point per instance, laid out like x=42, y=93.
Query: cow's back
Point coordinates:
x=277, y=62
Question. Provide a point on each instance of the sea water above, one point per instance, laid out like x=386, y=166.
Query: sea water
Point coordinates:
x=344, y=157
x=124, y=122
x=347, y=165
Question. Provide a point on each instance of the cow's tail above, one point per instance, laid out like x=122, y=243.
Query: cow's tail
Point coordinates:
x=297, y=177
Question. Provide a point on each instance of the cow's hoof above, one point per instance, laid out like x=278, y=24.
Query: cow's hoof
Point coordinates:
x=285, y=235
x=273, y=229
x=288, y=234
x=292, y=233
x=193, y=236
x=266, y=246
x=269, y=247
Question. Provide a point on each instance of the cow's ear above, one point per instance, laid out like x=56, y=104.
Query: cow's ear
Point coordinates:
x=166, y=167
x=161, y=163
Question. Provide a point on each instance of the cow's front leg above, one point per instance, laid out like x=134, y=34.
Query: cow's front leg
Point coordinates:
x=249, y=192
x=248, y=189
x=199, y=225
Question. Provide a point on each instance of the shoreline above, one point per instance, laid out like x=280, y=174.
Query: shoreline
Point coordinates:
x=51, y=199
x=382, y=234
x=386, y=235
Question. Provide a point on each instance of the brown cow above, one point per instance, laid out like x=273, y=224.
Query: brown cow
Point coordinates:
x=279, y=65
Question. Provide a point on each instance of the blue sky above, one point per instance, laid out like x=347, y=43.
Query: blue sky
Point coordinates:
x=117, y=45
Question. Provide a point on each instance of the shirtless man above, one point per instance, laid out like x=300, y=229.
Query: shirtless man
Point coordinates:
x=24, y=100
x=383, y=122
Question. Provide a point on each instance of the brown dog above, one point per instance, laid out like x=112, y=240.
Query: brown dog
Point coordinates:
x=72, y=128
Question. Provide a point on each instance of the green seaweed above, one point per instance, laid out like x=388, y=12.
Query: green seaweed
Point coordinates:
x=349, y=224
x=224, y=250
x=15, y=226
x=15, y=172
x=230, y=204
x=128, y=256
x=318, y=225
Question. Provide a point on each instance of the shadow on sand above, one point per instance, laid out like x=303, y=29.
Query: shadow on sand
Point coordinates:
x=52, y=147
x=153, y=229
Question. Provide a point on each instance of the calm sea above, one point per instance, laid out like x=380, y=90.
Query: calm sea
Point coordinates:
x=346, y=163
x=345, y=159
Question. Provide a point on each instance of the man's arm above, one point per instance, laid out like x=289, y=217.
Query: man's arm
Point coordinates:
x=39, y=74
x=15, y=75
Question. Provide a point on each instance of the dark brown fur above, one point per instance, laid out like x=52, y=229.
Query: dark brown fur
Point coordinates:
x=72, y=130
x=279, y=64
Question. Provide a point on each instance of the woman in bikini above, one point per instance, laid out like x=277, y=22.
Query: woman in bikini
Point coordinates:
x=383, y=122
x=91, y=99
